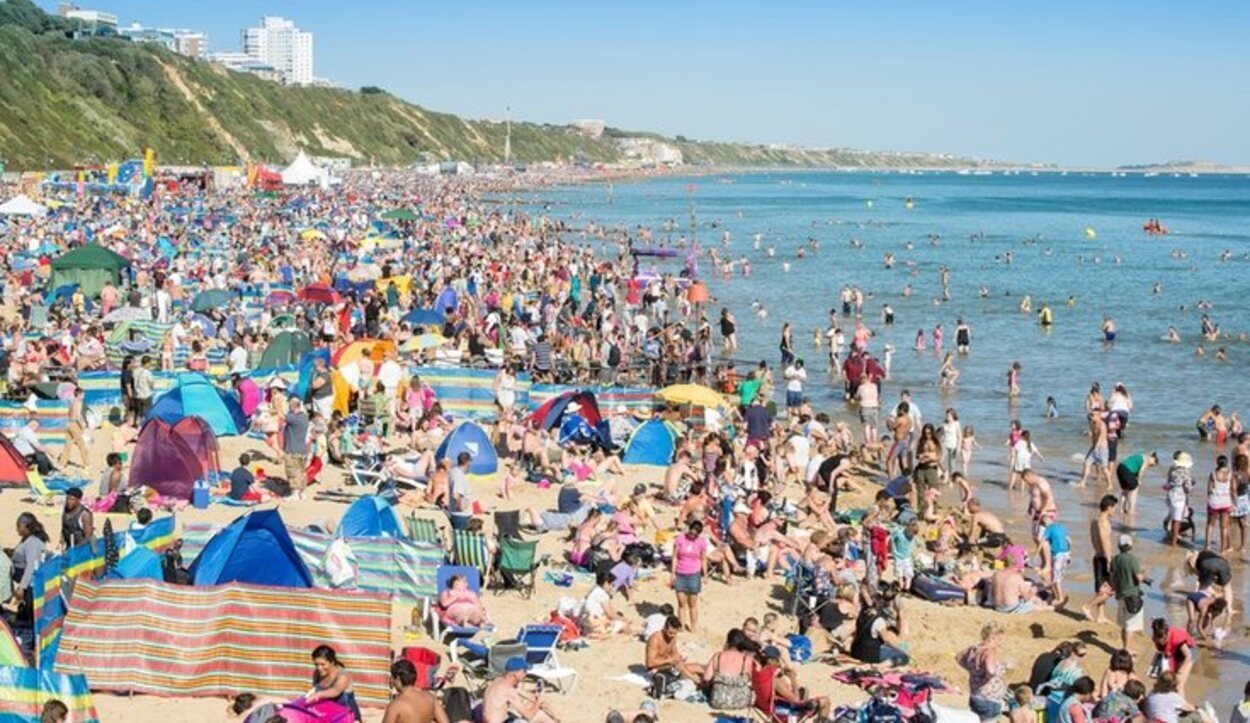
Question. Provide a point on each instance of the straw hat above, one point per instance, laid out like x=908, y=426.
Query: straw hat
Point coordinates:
x=1183, y=459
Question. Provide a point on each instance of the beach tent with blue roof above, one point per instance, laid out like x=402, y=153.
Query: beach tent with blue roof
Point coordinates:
x=471, y=438
x=652, y=443
x=256, y=549
x=195, y=395
x=370, y=516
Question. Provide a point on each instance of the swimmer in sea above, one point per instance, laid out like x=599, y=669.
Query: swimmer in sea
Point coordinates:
x=1026, y=304
x=1013, y=380
x=1108, y=329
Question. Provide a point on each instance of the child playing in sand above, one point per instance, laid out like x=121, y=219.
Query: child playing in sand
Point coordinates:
x=902, y=553
x=511, y=478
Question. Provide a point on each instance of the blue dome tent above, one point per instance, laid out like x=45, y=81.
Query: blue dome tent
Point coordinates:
x=651, y=443
x=255, y=549
x=195, y=395
x=370, y=516
x=469, y=437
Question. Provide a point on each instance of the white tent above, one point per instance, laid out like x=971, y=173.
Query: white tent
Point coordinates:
x=22, y=206
x=303, y=172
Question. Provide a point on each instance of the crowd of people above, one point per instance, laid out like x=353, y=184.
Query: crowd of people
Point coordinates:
x=850, y=511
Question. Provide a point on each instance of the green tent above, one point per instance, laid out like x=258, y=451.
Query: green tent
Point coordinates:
x=285, y=348
x=400, y=214
x=90, y=266
x=210, y=299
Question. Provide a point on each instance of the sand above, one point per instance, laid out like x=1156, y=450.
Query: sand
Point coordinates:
x=937, y=634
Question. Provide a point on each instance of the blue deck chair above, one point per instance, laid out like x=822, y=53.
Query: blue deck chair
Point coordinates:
x=540, y=652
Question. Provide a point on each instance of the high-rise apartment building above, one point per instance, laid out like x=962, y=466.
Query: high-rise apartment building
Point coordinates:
x=278, y=43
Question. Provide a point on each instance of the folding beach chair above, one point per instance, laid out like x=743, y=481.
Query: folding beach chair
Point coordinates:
x=441, y=628
x=470, y=548
x=508, y=525
x=423, y=530
x=540, y=652
x=516, y=567
x=367, y=472
x=806, y=597
x=483, y=663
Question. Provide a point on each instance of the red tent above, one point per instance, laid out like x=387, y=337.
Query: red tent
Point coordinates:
x=12, y=464
x=319, y=294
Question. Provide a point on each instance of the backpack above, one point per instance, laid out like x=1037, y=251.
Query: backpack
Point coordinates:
x=663, y=683
x=614, y=356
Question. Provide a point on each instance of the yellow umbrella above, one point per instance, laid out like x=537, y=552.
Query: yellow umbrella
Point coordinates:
x=311, y=233
x=422, y=342
x=691, y=394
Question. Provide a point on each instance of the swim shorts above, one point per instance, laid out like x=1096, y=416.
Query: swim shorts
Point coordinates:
x=1020, y=608
x=1128, y=481
x=1097, y=456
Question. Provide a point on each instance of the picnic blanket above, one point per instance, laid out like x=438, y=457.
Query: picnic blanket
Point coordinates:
x=144, y=636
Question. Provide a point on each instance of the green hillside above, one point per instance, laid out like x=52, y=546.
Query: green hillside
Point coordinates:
x=65, y=101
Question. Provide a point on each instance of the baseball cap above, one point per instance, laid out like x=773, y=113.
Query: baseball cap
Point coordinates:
x=772, y=653
x=1126, y=540
x=516, y=665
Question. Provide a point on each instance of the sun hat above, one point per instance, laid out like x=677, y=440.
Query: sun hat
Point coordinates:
x=1184, y=460
x=1126, y=540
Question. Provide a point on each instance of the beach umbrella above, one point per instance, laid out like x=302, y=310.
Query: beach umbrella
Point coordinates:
x=421, y=342
x=691, y=394
x=447, y=299
x=311, y=233
x=319, y=294
x=400, y=214
x=206, y=324
x=127, y=313
x=282, y=321
x=425, y=317
x=211, y=299
x=279, y=297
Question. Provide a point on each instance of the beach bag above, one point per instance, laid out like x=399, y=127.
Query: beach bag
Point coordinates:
x=1132, y=603
x=800, y=648
x=340, y=564
x=569, y=629
x=425, y=661
x=663, y=683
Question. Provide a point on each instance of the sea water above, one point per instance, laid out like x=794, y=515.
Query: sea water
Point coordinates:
x=1074, y=235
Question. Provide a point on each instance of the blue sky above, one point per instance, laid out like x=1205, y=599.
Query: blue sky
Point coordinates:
x=1079, y=83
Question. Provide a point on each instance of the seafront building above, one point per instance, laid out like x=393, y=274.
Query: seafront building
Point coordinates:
x=190, y=43
x=278, y=43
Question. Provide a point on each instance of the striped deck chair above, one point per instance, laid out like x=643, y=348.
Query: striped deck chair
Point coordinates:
x=468, y=549
x=422, y=530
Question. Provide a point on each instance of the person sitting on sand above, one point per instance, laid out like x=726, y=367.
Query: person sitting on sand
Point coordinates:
x=331, y=681
x=787, y=695
x=503, y=700
x=249, y=707
x=662, y=653
x=411, y=704
x=462, y=606
x=1013, y=594
x=600, y=618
